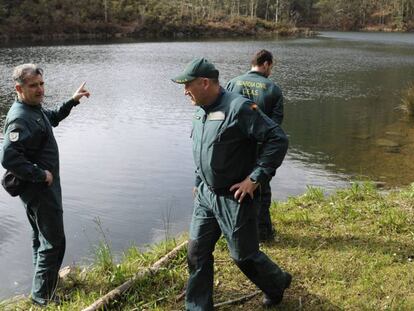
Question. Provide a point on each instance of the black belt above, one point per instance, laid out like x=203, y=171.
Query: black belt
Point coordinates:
x=220, y=191
x=226, y=191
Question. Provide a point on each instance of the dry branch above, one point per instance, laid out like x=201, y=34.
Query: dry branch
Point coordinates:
x=237, y=300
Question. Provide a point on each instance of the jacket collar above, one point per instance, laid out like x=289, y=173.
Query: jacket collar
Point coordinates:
x=216, y=102
x=256, y=73
x=27, y=105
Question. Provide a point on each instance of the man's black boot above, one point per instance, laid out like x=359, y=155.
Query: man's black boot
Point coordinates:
x=269, y=302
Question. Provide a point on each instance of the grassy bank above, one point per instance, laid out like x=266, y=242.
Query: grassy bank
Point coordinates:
x=353, y=250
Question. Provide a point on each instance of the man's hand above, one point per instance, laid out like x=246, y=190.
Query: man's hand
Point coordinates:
x=49, y=178
x=243, y=188
x=80, y=92
x=195, y=192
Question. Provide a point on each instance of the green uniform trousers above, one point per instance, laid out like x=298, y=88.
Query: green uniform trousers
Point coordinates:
x=221, y=214
x=48, y=238
x=263, y=219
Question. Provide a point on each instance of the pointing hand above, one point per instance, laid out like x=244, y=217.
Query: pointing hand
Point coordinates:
x=80, y=92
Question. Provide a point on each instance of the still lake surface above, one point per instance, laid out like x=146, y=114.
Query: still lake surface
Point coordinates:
x=126, y=152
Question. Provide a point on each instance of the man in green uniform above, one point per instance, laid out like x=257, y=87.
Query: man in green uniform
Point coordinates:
x=256, y=86
x=226, y=130
x=31, y=153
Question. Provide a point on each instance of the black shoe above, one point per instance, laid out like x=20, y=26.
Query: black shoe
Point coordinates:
x=270, y=302
x=44, y=302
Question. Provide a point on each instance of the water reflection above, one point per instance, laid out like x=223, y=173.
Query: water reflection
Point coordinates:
x=126, y=152
x=8, y=229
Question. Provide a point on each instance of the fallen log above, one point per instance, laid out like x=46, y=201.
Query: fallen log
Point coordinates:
x=118, y=291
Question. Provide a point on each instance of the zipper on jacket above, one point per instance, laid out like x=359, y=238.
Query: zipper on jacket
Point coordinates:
x=203, y=122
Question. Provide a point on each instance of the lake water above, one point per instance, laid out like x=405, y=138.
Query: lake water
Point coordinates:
x=126, y=152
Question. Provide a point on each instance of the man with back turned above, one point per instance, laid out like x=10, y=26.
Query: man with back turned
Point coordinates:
x=226, y=130
x=31, y=153
x=257, y=86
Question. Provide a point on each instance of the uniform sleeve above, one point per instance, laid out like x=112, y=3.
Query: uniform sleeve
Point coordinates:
x=256, y=125
x=60, y=113
x=277, y=106
x=16, y=139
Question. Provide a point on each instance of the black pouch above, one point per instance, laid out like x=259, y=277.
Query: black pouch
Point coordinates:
x=12, y=184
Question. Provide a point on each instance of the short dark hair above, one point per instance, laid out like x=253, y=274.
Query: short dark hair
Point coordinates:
x=21, y=72
x=261, y=57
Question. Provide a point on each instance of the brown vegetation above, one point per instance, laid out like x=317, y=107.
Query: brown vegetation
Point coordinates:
x=61, y=19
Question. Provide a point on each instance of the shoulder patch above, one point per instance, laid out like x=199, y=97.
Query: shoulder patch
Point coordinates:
x=14, y=136
x=216, y=116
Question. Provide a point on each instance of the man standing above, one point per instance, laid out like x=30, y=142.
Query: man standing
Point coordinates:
x=31, y=153
x=256, y=86
x=226, y=130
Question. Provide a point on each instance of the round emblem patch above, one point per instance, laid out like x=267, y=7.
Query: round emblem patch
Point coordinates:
x=14, y=136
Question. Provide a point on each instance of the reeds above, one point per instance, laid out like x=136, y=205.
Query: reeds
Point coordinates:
x=408, y=99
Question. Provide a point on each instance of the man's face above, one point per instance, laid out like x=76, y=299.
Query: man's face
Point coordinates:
x=196, y=90
x=32, y=90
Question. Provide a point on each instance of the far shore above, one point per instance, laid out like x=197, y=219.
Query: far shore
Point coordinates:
x=187, y=33
x=145, y=36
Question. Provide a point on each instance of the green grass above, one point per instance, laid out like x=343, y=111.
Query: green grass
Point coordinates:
x=408, y=99
x=352, y=250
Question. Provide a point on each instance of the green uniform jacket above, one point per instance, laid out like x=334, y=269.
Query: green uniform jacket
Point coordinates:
x=30, y=148
x=262, y=91
x=225, y=135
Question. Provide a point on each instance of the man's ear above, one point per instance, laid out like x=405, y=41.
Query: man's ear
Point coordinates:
x=206, y=82
x=18, y=88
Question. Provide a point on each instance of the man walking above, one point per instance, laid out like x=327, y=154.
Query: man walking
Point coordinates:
x=31, y=153
x=257, y=86
x=226, y=130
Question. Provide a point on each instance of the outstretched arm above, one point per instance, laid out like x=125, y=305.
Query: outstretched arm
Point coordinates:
x=57, y=115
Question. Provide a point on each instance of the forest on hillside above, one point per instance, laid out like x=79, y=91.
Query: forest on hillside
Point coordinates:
x=166, y=18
